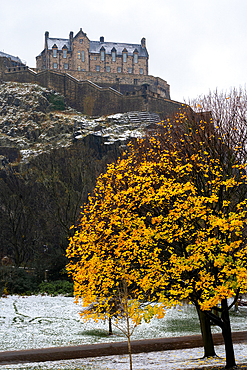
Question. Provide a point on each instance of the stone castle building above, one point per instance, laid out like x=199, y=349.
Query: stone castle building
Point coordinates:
x=121, y=66
x=9, y=61
x=80, y=54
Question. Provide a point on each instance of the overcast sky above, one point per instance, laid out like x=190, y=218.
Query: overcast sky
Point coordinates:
x=195, y=45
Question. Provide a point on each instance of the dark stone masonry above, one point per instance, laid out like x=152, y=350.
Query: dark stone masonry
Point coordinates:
x=91, y=99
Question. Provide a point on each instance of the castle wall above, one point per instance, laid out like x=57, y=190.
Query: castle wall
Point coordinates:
x=2, y=67
x=89, y=98
x=114, y=80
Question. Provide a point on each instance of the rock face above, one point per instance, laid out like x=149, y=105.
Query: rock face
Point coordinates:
x=31, y=122
x=50, y=158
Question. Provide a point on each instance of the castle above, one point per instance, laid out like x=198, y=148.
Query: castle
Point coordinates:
x=121, y=66
x=95, y=77
x=78, y=53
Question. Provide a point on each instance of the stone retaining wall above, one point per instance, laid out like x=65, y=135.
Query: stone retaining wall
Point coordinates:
x=89, y=98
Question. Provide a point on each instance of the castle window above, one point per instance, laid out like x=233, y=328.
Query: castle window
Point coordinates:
x=81, y=41
x=54, y=65
x=64, y=53
x=54, y=54
x=113, y=55
x=136, y=58
x=119, y=69
x=79, y=55
x=97, y=68
x=95, y=58
x=141, y=71
x=83, y=56
x=108, y=69
x=129, y=70
x=124, y=57
x=135, y=81
x=66, y=66
x=102, y=55
x=79, y=68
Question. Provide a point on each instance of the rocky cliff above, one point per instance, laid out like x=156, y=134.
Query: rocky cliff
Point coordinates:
x=50, y=158
x=34, y=120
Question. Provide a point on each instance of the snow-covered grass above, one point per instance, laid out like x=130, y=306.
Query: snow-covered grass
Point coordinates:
x=166, y=360
x=43, y=321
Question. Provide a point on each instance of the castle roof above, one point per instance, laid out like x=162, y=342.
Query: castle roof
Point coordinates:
x=59, y=42
x=14, y=59
x=95, y=46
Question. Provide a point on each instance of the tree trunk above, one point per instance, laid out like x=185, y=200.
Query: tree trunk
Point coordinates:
x=110, y=327
x=227, y=335
x=128, y=336
x=130, y=355
x=206, y=334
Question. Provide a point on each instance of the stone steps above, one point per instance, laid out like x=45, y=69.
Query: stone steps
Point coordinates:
x=140, y=117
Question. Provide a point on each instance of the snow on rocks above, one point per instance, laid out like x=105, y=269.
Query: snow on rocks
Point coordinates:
x=28, y=124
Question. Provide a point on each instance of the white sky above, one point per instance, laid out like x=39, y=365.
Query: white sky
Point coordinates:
x=195, y=45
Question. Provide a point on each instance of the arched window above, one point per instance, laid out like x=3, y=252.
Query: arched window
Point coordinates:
x=83, y=56
x=102, y=55
x=136, y=58
x=79, y=55
x=113, y=55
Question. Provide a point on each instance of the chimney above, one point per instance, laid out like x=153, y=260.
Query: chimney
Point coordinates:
x=71, y=35
x=143, y=42
x=101, y=39
x=46, y=38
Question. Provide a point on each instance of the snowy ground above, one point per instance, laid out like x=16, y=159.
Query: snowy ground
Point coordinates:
x=36, y=322
x=166, y=360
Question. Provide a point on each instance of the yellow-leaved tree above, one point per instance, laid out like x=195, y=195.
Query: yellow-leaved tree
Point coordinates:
x=114, y=262
x=165, y=224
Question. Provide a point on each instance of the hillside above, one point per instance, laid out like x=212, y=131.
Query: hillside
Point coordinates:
x=50, y=158
x=35, y=120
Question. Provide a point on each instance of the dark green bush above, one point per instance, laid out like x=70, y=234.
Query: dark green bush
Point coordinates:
x=57, y=287
x=56, y=102
x=17, y=281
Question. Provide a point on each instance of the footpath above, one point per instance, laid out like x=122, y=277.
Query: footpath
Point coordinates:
x=113, y=348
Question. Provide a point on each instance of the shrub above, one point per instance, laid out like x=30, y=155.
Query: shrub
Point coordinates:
x=57, y=287
x=18, y=281
x=56, y=102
